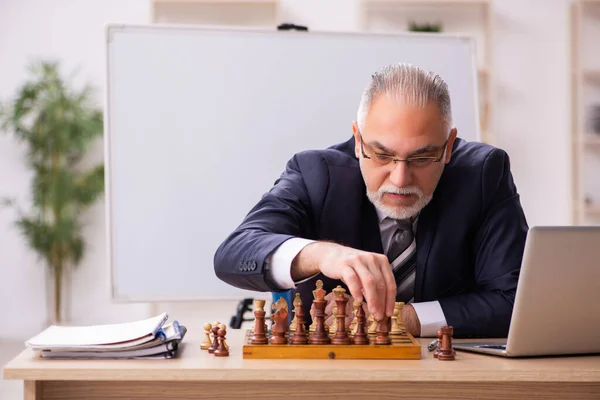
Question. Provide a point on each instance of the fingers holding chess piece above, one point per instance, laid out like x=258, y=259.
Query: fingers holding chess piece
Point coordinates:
x=207, y=342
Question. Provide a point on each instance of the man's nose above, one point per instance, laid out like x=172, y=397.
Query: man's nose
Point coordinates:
x=401, y=175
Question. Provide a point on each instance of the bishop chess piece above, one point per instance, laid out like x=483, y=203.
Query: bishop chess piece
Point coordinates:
x=259, y=335
x=383, y=331
x=215, y=344
x=360, y=336
x=207, y=342
x=398, y=327
x=222, y=350
x=280, y=326
x=296, y=303
x=446, y=352
x=299, y=336
x=341, y=333
x=320, y=335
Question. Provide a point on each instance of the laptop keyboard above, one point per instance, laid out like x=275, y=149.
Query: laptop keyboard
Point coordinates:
x=493, y=346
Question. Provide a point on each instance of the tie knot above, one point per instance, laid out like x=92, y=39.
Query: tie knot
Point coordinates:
x=405, y=224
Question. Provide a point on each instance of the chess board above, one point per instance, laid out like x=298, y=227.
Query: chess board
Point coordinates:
x=403, y=347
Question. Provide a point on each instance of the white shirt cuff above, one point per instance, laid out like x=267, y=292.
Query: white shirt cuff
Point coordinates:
x=430, y=316
x=280, y=262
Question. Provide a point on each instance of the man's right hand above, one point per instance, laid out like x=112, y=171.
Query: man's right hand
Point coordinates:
x=367, y=275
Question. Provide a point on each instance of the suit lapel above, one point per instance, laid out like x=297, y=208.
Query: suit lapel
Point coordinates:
x=426, y=228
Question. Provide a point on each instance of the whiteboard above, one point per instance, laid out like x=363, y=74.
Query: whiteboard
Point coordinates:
x=200, y=122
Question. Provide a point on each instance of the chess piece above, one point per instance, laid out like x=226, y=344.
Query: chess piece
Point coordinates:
x=259, y=335
x=361, y=336
x=223, y=349
x=446, y=352
x=383, y=331
x=319, y=286
x=215, y=330
x=207, y=342
x=333, y=326
x=398, y=327
x=437, y=350
x=222, y=326
x=297, y=301
x=280, y=326
x=371, y=324
x=319, y=336
x=354, y=324
x=341, y=333
x=299, y=336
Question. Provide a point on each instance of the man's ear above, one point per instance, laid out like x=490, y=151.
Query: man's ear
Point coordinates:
x=449, y=145
x=356, y=133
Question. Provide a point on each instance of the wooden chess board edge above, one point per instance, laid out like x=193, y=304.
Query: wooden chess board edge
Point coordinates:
x=395, y=351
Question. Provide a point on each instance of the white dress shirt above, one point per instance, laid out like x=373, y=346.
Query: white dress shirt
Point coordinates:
x=430, y=313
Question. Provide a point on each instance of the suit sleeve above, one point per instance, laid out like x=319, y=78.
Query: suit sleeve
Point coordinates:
x=497, y=250
x=281, y=214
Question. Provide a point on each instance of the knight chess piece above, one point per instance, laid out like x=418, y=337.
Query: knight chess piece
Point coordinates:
x=215, y=330
x=320, y=335
x=259, y=335
x=446, y=352
x=360, y=336
x=341, y=333
x=299, y=336
x=207, y=342
x=223, y=349
x=354, y=323
x=398, y=327
x=383, y=331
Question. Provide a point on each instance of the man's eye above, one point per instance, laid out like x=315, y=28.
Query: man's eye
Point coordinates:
x=422, y=160
x=382, y=157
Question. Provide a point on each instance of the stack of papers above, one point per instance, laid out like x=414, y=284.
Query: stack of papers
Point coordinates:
x=151, y=338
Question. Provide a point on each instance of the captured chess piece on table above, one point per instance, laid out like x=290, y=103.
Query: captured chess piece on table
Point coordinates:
x=446, y=351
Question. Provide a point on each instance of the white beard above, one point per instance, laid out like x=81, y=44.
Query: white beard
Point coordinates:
x=399, y=212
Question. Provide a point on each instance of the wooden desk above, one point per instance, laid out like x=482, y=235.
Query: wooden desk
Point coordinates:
x=198, y=374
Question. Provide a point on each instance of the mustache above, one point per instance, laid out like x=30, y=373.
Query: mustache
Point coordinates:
x=403, y=190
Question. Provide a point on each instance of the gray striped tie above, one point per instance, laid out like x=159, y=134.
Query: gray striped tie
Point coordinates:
x=402, y=255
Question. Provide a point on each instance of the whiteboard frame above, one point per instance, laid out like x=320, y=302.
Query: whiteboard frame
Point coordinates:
x=110, y=29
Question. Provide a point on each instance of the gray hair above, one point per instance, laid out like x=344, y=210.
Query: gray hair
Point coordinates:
x=406, y=82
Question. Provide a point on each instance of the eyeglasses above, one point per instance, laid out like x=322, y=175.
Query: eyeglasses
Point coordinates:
x=416, y=161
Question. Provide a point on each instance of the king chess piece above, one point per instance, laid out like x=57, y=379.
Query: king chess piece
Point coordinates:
x=259, y=335
x=446, y=352
x=341, y=333
x=320, y=335
x=299, y=336
x=360, y=336
x=280, y=326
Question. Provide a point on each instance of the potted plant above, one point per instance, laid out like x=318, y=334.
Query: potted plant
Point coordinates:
x=57, y=124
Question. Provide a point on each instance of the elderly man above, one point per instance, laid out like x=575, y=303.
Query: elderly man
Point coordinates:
x=403, y=211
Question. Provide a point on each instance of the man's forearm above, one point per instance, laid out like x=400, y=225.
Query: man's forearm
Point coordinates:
x=306, y=263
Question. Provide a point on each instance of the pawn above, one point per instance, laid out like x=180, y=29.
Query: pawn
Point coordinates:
x=215, y=344
x=207, y=342
x=222, y=326
x=222, y=350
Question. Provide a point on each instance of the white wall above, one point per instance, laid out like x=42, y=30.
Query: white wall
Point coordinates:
x=532, y=121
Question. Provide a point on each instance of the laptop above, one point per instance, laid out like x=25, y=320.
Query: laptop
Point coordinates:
x=557, y=304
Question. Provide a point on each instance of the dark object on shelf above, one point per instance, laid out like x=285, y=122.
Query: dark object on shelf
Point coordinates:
x=425, y=27
x=595, y=119
x=238, y=318
x=288, y=27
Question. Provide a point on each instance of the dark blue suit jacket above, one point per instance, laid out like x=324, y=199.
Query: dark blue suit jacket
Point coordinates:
x=470, y=237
